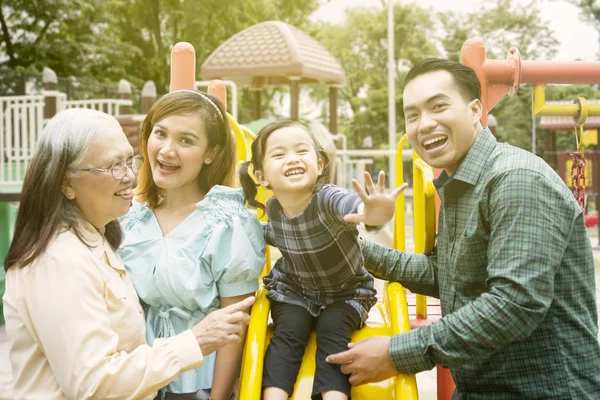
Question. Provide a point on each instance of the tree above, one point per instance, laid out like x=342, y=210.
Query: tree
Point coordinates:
x=73, y=37
x=590, y=12
x=154, y=26
x=503, y=24
x=112, y=39
x=360, y=44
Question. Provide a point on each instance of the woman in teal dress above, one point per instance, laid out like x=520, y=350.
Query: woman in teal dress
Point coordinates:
x=189, y=244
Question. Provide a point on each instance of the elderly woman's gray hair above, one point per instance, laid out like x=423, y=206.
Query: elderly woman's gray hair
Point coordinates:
x=43, y=209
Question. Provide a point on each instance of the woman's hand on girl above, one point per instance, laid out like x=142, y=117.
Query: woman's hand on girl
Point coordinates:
x=222, y=327
x=379, y=206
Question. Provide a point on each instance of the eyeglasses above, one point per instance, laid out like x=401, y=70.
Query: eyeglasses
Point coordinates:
x=119, y=170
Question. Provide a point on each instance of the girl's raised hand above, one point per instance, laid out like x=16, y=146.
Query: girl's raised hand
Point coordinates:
x=379, y=206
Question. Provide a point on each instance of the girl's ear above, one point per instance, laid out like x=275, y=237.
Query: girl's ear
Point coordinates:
x=320, y=165
x=261, y=178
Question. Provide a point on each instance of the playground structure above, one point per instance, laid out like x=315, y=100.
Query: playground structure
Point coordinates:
x=274, y=53
x=562, y=161
x=500, y=77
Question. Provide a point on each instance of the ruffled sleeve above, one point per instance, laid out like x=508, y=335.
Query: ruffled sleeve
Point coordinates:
x=235, y=250
x=137, y=213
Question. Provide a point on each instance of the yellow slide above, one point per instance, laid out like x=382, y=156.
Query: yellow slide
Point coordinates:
x=393, y=312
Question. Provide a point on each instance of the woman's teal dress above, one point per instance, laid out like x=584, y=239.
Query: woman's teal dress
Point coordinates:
x=217, y=251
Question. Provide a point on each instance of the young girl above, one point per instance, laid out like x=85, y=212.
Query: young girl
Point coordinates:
x=190, y=245
x=320, y=281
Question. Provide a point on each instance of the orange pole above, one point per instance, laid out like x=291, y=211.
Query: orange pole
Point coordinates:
x=218, y=89
x=473, y=55
x=183, y=66
x=543, y=72
x=500, y=77
x=445, y=383
x=498, y=70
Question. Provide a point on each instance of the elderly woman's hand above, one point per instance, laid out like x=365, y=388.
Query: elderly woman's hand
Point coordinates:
x=223, y=327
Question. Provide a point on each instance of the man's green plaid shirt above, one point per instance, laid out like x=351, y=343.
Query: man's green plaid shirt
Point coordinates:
x=514, y=271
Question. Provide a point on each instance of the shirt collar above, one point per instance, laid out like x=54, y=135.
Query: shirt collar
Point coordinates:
x=473, y=164
x=100, y=247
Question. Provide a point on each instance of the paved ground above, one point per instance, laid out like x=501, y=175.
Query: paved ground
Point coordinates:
x=426, y=380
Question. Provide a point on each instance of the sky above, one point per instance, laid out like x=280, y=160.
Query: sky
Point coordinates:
x=578, y=40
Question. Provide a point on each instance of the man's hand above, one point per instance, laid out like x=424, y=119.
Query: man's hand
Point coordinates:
x=367, y=361
x=379, y=206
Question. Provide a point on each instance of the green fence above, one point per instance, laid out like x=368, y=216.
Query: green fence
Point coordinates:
x=8, y=214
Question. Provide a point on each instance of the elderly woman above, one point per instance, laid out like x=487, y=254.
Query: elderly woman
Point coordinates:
x=74, y=322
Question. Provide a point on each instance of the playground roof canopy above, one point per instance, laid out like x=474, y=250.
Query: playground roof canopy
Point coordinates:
x=555, y=123
x=270, y=54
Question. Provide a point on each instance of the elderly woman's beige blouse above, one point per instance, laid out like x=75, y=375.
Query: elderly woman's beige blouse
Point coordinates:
x=77, y=331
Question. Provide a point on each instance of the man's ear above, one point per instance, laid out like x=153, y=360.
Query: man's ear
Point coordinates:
x=67, y=188
x=261, y=178
x=476, y=109
x=211, y=154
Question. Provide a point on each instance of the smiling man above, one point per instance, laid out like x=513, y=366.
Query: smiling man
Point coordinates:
x=512, y=267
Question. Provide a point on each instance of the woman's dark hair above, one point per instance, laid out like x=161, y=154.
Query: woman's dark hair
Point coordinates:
x=218, y=132
x=43, y=208
x=258, y=152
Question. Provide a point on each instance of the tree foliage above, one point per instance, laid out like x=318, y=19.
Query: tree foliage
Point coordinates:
x=360, y=43
x=112, y=39
x=132, y=39
x=155, y=25
x=590, y=11
x=73, y=37
x=502, y=24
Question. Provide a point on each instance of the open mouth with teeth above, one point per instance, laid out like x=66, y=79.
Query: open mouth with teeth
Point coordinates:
x=124, y=192
x=295, y=172
x=168, y=167
x=435, y=142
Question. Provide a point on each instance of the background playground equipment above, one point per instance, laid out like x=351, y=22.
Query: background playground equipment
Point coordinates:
x=562, y=161
x=499, y=77
x=274, y=53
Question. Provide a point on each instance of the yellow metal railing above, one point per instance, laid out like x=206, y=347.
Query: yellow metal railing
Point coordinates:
x=423, y=217
x=255, y=344
x=579, y=109
x=424, y=213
